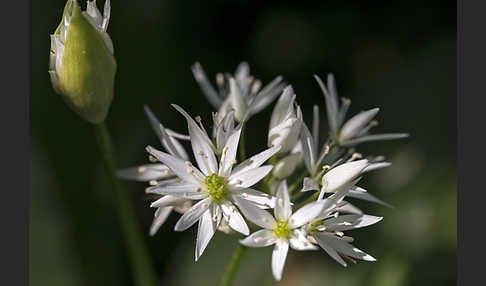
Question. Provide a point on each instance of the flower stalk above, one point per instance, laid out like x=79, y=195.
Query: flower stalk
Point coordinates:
x=233, y=265
x=140, y=263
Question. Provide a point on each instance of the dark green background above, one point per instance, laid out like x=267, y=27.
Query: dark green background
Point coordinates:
x=398, y=56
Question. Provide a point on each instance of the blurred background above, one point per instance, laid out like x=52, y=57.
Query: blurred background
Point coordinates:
x=396, y=55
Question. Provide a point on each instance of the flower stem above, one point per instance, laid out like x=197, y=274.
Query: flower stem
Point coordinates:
x=142, y=270
x=233, y=265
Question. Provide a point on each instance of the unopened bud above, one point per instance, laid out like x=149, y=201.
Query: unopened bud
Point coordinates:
x=82, y=66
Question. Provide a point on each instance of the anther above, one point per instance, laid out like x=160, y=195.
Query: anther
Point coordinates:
x=152, y=159
x=200, y=153
x=347, y=223
x=239, y=182
x=198, y=190
x=357, y=156
x=373, y=123
x=233, y=162
x=244, y=195
x=205, y=205
x=142, y=169
x=188, y=163
x=336, y=214
x=190, y=170
x=220, y=79
x=339, y=233
x=153, y=182
x=326, y=167
x=198, y=119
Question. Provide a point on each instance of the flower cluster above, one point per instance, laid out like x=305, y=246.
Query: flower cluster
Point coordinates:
x=251, y=198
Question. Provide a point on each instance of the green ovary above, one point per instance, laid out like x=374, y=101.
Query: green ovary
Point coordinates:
x=282, y=229
x=216, y=187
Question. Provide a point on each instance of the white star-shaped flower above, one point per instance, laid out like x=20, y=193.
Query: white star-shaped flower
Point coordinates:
x=156, y=174
x=283, y=230
x=355, y=130
x=241, y=92
x=327, y=229
x=215, y=186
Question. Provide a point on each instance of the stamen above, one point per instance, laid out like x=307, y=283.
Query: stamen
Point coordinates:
x=198, y=190
x=190, y=170
x=152, y=159
x=205, y=205
x=357, y=156
x=188, y=163
x=153, y=182
x=200, y=153
x=336, y=214
x=220, y=79
x=239, y=182
x=256, y=86
x=326, y=167
x=339, y=233
x=233, y=162
x=244, y=195
x=345, y=100
x=347, y=223
x=142, y=169
x=373, y=122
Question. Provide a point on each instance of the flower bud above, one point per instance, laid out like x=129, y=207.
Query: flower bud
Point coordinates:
x=285, y=122
x=286, y=166
x=82, y=66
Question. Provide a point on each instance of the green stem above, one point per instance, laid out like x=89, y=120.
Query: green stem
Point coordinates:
x=309, y=199
x=233, y=265
x=142, y=269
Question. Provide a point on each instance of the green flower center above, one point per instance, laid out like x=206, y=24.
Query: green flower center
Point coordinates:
x=282, y=229
x=216, y=187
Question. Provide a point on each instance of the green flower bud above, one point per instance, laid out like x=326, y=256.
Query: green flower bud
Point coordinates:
x=82, y=66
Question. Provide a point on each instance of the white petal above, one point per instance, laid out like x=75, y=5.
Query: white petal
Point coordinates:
x=342, y=174
x=201, y=145
x=254, y=214
x=349, y=208
x=283, y=106
x=282, y=210
x=249, y=177
x=298, y=241
x=175, y=164
x=353, y=221
x=306, y=214
x=229, y=153
x=310, y=185
x=331, y=103
x=267, y=95
x=206, y=86
x=255, y=161
x=324, y=245
x=279, y=255
x=353, y=125
x=181, y=190
x=376, y=166
x=167, y=201
x=205, y=231
x=261, y=199
x=145, y=173
x=224, y=129
x=106, y=15
x=192, y=215
x=376, y=137
x=261, y=238
x=161, y=215
x=364, y=195
x=308, y=148
x=235, y=220
x=340, y=245
x=238, y=102
x=315, y=127
x=285, y=134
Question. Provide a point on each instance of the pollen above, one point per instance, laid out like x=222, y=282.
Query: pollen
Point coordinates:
x=216, y=187
x=282, y=229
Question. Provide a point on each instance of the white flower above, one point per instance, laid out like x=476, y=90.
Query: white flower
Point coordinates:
x=157, y=174
x=215, y=186
x=241, y=92
x=327, y=230
x=355, y=130
x=285, y=122
x=283, y=229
